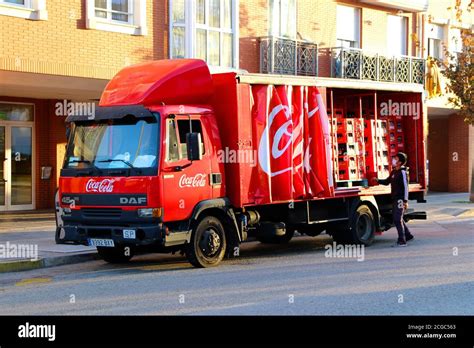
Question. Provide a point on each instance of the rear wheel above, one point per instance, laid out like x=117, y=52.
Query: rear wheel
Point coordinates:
x=117, y=254
x=363, y=226
x=360, y=231
x=208, y=243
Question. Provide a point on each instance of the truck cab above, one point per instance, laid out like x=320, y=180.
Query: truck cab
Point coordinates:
x=134, y=176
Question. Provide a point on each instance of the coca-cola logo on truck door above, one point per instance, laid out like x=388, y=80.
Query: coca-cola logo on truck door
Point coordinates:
x=198, y=180
x=102, y=186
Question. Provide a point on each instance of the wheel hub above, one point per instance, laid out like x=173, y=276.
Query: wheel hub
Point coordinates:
x=210, y=243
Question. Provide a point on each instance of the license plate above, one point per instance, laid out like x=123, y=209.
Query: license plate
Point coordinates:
x=108, y=243
x=129, y=234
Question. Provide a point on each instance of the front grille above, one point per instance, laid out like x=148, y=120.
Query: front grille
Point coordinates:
x=101, y=213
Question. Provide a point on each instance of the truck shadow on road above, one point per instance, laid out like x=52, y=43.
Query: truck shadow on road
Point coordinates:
x=249, y=253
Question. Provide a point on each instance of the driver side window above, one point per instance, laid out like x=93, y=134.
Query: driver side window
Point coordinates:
x=176, y=135
x=184, y=127
x=173, y=145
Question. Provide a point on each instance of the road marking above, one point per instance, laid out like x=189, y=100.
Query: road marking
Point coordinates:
x=456, y=221
x=29, y=281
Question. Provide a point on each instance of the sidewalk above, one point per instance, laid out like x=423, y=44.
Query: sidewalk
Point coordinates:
x=38, y=228
x=445, y=205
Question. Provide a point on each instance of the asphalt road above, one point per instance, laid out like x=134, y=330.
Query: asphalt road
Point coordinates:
x=434, y=275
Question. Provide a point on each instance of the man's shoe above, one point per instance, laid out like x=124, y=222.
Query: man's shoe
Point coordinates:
x=410, y=237
x=400, y=244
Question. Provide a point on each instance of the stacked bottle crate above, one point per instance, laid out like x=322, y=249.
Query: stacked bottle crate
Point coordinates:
x=334, y=145
x=377, y=157
x=360, y=146
x=349, y=148
x=395, y=136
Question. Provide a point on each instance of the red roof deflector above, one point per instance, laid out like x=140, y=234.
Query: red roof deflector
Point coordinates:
x=169, y=81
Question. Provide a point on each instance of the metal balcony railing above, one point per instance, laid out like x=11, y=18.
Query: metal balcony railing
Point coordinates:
x=355, y=63
x=288, y=57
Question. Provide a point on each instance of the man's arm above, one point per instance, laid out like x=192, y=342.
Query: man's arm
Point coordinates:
x=383, y=181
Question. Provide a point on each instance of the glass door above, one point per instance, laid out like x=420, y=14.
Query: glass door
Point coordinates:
x=21, y=187
x=16, y=167
x=3, y=160
x=16, y=156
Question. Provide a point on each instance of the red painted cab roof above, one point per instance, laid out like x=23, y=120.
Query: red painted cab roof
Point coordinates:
x=169, y=81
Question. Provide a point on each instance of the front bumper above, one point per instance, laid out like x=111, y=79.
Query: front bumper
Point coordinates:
x=81, y=225
x=145, y=235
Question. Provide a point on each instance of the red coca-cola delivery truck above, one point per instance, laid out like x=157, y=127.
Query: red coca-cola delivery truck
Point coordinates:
x=178, y=159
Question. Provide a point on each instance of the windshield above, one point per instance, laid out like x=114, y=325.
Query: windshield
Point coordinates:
x=128, y=143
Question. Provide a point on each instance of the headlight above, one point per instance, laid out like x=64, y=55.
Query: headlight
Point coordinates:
x=149, y=212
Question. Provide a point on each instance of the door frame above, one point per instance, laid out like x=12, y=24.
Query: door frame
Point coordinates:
x=8, y=133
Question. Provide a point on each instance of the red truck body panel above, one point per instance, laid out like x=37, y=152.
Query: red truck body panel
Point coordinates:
x=273, y=129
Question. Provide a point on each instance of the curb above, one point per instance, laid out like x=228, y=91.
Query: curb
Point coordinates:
x=26, y=265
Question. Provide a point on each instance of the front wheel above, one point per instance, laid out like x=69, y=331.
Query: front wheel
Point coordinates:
x=208, y=243
x=117, y=254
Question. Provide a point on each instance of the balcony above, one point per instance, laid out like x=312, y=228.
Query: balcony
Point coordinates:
x=354, y=63
x=288, y=57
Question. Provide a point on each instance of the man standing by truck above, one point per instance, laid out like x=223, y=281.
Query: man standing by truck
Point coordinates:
x=398, y=181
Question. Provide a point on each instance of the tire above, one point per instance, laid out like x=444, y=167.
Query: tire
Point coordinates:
x=361, y=230
x=117, y=254
x=266, y=239
x=363, y=226
x=208, y=243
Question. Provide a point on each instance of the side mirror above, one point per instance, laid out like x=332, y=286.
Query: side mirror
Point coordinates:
x=194, y=148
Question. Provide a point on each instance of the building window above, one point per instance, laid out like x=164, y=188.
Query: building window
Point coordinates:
x=120, y=16
x=348, y=26
x=205, y=29
x=455, y=40
x=16, y=112
x=283, y=18
x=114, y=10
x=16, y=2
x=434, y=48
x=435, y=40
x=28, y=9
x=397, y=35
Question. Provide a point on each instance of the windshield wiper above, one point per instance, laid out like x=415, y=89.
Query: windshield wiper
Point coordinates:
x=87, y=162
x=118, y=160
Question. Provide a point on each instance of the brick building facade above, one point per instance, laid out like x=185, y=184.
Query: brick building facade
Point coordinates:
x=61, y=56
x=55, y=50
x=451, y=141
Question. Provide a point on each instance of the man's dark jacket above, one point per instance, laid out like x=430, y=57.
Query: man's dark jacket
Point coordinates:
x=398, y=181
